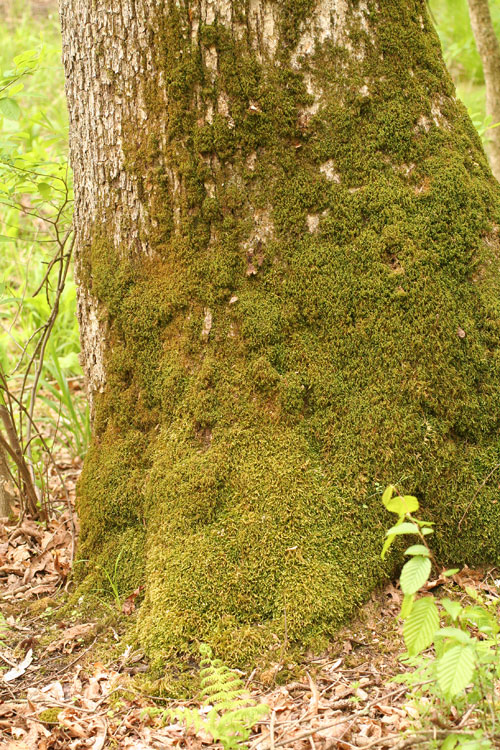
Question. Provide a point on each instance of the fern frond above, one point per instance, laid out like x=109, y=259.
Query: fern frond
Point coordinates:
x=233, y=712
x=190, y=716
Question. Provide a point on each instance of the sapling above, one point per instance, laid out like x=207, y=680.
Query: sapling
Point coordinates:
x=463, y=666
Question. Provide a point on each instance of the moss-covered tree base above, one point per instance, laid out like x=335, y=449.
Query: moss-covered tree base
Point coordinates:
x=318, y=315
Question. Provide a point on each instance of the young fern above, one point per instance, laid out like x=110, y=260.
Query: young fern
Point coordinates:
x=232, y=712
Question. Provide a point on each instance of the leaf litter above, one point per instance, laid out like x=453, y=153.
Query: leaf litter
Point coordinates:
x=56, y=696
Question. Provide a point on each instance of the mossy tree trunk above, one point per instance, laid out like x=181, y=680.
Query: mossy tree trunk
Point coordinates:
x=289, y=297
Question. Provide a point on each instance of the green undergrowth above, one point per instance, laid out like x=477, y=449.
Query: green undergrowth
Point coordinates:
x=263, y=384
x=462, y=58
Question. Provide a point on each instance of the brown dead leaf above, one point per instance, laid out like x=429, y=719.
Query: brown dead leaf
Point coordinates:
x=314, y=702
x=128, y=605
x=30, y=530
x=70, y=720
x=39, y=563
x=67, y=642
x=20, y=554
x=61, y=563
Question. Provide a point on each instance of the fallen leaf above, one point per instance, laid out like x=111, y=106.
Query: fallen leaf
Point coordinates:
x=70, y=636
x=21, y=668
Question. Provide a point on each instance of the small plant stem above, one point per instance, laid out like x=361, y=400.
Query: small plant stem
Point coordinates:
x=13, y=448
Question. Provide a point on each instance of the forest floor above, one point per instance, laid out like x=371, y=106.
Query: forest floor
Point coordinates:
x=68, y=684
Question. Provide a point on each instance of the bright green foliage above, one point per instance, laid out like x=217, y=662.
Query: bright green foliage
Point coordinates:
x=462, y=57
x=36, y=207
x=464, y=666
x=415, y=573
x=420, y=625
x=228, y=712
x=247, y=459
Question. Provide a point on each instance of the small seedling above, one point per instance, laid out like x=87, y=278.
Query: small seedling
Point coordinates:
x=453, y=647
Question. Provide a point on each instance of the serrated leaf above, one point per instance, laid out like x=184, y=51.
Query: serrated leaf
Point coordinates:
x=419, y=628
x=452, y=608
x=414, y=574
x=418, y=549
x=407, y=606
x=403, y=528
x=484, y=620
x=9, y=109
x=455, y=669
x=455, y=633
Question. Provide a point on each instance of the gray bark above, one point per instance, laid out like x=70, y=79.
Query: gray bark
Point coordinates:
x=108, y=54
x=489, y=51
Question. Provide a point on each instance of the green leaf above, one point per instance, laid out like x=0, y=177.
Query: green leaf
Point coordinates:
x=411, y=503
x=9, y=108
x=414, y=574
x=399, y=504
x=388, y=493
x=484, y=620
x=474, y=594
x=425, y=531
x=419, y=628
x=452, y=608
x=450, y=572
x=387, y=544
x=396, y=505
x=403, y=528
x=455, y=633
x=407, y=606
x=418, y=549
x=450, y=742
x=28, y=56
x=45, y=190
x=455, y=669
x=13, y=90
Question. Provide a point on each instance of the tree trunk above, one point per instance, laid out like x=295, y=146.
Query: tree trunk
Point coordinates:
x=5, y=494
x=289, y=297
x=489, y=51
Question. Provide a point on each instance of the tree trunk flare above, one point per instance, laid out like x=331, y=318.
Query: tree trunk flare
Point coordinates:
x=289, y=298
x=489, y=51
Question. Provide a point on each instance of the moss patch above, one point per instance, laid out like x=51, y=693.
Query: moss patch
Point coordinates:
x=264, y=380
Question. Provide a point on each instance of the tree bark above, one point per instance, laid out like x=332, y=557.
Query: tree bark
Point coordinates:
x=489, y=51
x=5, y=494
x=289, y=298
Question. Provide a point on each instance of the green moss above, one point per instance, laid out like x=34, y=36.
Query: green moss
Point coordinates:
x=262, y=383
x=49, y=716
